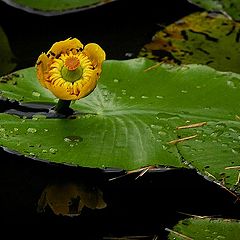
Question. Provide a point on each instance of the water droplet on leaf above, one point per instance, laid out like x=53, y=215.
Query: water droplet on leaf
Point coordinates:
x=231, y=84
x=220, y=237
x=73, y=139
x=234, y=129
x=2, y=130
x=155, y=126
x=67, y=139
x=36, y=94
x=124, y=91
x=236, y=150
x=164, y=147
x=224, y=145
x=217, y=133
x=31, y=130
x=221, y=125
x=53, y=150
x=162, y=133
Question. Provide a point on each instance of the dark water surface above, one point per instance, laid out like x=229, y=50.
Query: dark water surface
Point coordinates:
x=120, y=28
x=135, y=207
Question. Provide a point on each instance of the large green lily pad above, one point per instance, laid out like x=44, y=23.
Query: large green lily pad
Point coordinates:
x=203, y=38
x=7, y=59
x=206, y=228
x=231, y=7
x=130, y=118
x=55, y=7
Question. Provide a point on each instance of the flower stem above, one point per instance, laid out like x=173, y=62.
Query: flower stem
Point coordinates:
x=62, y=107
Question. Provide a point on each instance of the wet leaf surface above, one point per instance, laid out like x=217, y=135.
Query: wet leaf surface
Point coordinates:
x=141, y=114
x=230, y=7
x=203, y=38
x=206, y=228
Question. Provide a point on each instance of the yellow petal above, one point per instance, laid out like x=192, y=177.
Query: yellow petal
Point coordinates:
x=87, y=86
x=65, y=46
x=42, y=68
x=61, y=91
x=95, y=54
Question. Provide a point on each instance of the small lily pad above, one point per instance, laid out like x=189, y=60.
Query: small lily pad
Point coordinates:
x=205, y=228
x=203, y=38
x=231, y=7
x=55, y=7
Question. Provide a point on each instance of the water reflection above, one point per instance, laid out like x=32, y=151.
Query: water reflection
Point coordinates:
x=69, y=198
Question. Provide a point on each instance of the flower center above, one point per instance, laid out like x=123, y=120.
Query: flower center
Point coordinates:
x=72, y=63
x=70, y=68
x=72, y=71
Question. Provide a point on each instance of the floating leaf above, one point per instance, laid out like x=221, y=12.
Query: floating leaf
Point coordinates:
x=231, y=7
x=7, y=62
x=131, y=118
x=55, y=7
x=205, y=228
x=210, y=39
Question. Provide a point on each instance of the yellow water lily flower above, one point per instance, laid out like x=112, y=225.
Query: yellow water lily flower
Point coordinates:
x=70, y=70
